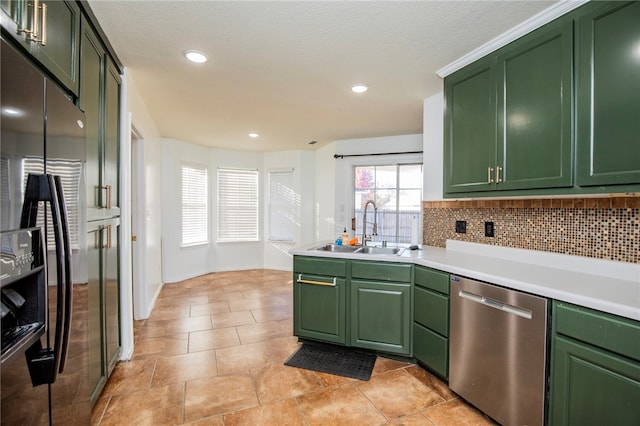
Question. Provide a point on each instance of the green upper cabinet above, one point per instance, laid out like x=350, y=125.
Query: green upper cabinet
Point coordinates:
x=100, y=100
x=608, y=81
x=508, y=116
x=51, y=34
x=535, y=109
x=470, y=128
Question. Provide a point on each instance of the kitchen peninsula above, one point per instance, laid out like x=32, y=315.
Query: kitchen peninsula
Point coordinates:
x=593, y=315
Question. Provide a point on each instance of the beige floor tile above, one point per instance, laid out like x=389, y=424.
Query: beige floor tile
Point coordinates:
x=275, y=314
x=242, y=358
x=218, y=395
x=131, y=376
x=264, y=331
x=157, y=406
x=456, y=413
x=383, y=365
x=275, y=382
x=282, y=348
x=413, y=420
x=170, y=313
x=341, y=405
x=161, y=346
x=181, y=368
x=209, y=308
x=281, y=413
x=213, y=339
x=397, y=393
x=185, y=325
x=232, y=319
x=432, y=381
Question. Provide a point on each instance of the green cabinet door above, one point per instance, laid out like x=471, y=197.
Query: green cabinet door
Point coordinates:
x=590, y=386
x=381, y=316
x=535, y=110
x=111, y=293
x=608, y=74
x=97, y=363
x=470, y=128
x=57, y=38
x=111, y=139
x=90, y=101
x=319, y=310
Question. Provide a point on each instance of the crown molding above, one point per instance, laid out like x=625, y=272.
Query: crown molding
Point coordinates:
x=536, y=21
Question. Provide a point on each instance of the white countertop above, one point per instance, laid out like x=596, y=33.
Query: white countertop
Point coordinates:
x=607, y=286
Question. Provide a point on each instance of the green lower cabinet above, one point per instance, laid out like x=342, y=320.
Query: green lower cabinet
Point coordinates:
x=431, y=320
x=320, y=310
x=381, y=316
x=431, y=349
x=595, y=368
x=590, y=386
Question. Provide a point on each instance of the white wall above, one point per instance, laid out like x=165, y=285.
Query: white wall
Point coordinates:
x=179, y=263
x=433, y=148
x=151, y=158
x=324, y=181
x=276, y=254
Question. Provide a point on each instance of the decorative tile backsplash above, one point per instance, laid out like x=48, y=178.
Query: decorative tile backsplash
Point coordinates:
x=603, y=228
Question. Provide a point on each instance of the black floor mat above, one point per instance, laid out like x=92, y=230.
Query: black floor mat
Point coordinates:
x=333, y=359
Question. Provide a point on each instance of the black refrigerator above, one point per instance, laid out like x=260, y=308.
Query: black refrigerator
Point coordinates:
x=43, y=269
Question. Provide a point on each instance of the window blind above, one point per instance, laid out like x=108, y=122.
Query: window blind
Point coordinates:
x=281, y=206
x=70, y=172
x=237, y=205
x=194, y=205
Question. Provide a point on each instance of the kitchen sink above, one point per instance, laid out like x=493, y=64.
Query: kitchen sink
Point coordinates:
x=337, y=248
x=379, y=250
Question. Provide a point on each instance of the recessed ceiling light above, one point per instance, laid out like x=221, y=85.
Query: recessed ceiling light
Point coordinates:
x=253, y=135
x=196, y=56
x=359, y=88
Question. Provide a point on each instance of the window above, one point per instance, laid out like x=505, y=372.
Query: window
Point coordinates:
x=70, y=172
x=237, y=205
x=282, y=206
x=397, y=191
x=194, y=205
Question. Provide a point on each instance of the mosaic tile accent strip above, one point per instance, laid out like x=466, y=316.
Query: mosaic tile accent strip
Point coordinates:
x=603, y=228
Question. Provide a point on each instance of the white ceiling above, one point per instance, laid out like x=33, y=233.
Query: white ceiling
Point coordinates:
x=284, y=69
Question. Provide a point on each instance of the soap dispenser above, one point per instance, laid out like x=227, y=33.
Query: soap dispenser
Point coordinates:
x=345, y=237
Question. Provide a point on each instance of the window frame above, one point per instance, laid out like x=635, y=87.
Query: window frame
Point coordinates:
x=255, y=191
x=204, y=237
x=286, y=204
x=381, y=161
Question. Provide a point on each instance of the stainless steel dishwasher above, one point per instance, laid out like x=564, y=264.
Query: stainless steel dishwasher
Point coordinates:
x=498, y=351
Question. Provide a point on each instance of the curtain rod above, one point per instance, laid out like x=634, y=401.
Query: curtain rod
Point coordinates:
x=380, y=153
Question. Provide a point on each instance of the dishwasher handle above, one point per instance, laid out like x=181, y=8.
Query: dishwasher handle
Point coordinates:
x=486, y=301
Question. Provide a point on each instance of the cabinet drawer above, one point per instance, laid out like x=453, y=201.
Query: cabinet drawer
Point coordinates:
x=379, y=271
x=431, y=349
x=319, y=266
x=431, y=310
x=616, y=334
x=432, y=279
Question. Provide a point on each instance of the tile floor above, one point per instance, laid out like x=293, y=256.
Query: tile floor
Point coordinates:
x=212, y=353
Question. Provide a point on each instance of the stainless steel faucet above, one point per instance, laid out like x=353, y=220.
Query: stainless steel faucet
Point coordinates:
x=374, y=232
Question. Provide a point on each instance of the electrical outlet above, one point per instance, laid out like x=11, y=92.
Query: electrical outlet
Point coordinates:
x=461, y=226
x=489, y=229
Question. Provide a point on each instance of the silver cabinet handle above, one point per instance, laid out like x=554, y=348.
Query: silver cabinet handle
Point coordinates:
x=489, y=174
x=498, y=170
x=43, y=39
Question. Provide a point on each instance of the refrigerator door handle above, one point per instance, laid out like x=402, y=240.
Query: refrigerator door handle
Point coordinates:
x=68, y=282
x=44, y=363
